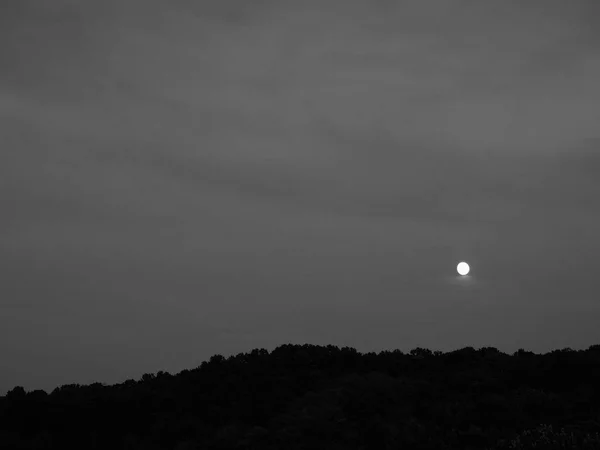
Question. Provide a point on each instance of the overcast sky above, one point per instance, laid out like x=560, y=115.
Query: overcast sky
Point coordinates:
x=181, y=178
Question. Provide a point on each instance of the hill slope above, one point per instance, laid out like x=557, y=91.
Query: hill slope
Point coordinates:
x=313, y=397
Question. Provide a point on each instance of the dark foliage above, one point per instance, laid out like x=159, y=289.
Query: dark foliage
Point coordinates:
x=313, y=397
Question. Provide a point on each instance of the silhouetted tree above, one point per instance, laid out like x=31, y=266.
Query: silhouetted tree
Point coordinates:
x=15, y=394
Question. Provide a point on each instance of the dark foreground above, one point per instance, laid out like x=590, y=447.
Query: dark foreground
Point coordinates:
x=312, y=397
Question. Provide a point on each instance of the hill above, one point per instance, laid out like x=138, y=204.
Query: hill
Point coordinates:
x=325, y=397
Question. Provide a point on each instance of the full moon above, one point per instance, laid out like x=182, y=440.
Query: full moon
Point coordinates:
x=463, y=268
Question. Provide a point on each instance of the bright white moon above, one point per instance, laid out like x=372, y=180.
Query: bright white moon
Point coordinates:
x=463, y=268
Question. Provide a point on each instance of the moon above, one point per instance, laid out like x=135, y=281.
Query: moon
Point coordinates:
x=463, y=268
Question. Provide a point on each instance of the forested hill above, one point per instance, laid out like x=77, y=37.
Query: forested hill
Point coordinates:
x=325, y=397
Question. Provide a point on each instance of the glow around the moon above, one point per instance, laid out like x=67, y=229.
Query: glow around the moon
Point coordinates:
x=463, y=268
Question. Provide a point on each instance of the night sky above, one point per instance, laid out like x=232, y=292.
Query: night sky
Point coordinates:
x=181, y=178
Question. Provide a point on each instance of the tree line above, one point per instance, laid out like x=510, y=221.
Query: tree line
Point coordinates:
x=313, y=397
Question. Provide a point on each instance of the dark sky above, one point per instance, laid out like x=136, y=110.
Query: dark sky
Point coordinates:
x=180, y=178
